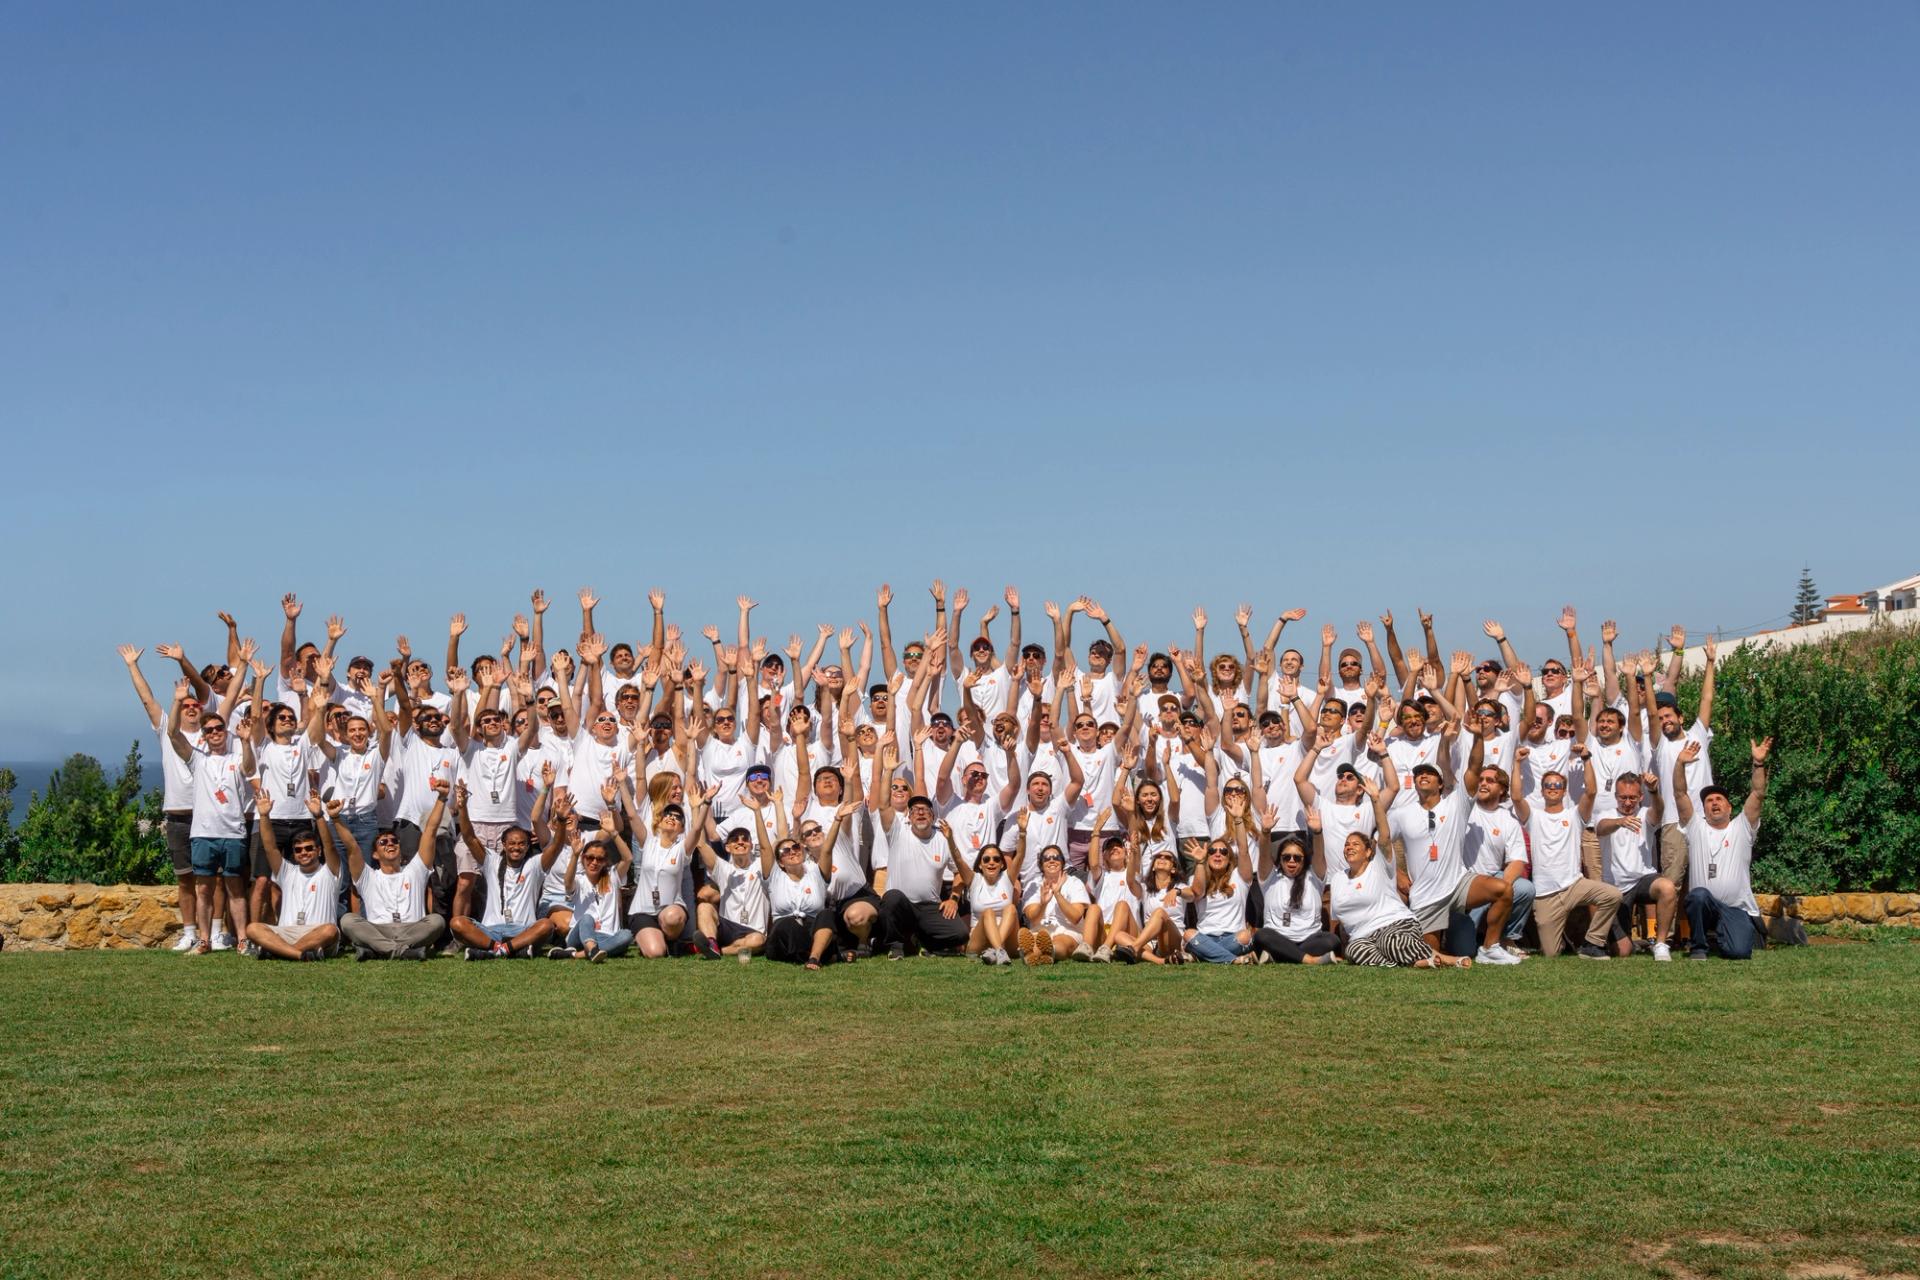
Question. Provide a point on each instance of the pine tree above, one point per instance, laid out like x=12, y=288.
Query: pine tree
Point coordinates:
x=1806, y=604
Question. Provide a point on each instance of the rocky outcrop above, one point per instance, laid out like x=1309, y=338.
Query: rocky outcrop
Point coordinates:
x=1842, y=908
x=61, y=917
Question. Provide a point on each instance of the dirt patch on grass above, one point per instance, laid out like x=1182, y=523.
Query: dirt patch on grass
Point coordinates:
x=1352, y=1237
x=1749, y=1242
x=1835, y=1108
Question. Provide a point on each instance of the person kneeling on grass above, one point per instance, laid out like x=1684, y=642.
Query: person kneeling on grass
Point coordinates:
x=1057, y=911
x=510, y=922
x=599, y=880
x=1553, y=835
x=1720, y=906
x=393, y=922
x=1364, y=896
x=309, y=885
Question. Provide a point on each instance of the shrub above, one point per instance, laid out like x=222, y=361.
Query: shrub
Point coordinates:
x=86, y=828
x=1843, y=800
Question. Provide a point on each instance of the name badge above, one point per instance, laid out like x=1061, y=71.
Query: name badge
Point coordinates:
x=289, y=791
x=495, y=795
x=396, y=917
x=300, y=918
x=1433, y=853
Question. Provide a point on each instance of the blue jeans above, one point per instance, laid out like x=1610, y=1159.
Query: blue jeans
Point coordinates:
x=614, y=944
x=363, y=829
x=1218, y=948
x=1735, y=933
x=1516, y=919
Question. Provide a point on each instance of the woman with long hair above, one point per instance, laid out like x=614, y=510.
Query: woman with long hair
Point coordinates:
x=800, y=918
x=1294, y=882
x=1219, y=892
x=1161, y=909
x=993, y=896
x=1366, y=903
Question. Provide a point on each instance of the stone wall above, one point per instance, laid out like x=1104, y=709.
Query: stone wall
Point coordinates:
x=1843, y=908
x=56, y=917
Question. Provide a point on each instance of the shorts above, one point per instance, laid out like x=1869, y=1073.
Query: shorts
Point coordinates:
x=292, y=933
x=218, y=856
x=500, y=932
x=644, y=920
x=179, y=828
x=284, y=830
x=729, y=933
x=1433, y=917
x=1640, y=892
x=550, y=905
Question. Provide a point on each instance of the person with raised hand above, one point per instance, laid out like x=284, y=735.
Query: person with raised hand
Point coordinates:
x=219, y=764
x=1113, y=882
x=1722, y=917
x=917, y=909
x=800, y=927
x=309, y=882
x=1432, y=830
x=1673, y=736
x=285, y=745
x=393, y=922
x=661, y=867
x=992, y=884
x=599, y=749
x=730, y=913
x=597, y=869
x=424, y=754
x=1219, y=892
x=1363, y=899
x=176, y=788
x=511, y=923
x=1554, y=833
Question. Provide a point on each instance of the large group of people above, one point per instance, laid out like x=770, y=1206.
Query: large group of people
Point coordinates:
x=1415, y=807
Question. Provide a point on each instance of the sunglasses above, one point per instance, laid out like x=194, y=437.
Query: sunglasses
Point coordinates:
x=1553, y=671
x=212, y=726
x=810, y=832
x=913, y=653
x=605, y=719
x=723, y=720
x=1553, y=786
x=1293, y=857
x=1487, y=667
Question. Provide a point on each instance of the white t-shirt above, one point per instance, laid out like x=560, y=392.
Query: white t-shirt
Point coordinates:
x=790, y=899
x=1189, y=775
x=984, y=895
x=1337, y=821
x=1699, y=773
x=1222, y=912
x=1555, y=839
x=1044, y=827
x=220, y=792
x=353, y=778
x=420, y=762
x=397, y=897
x=176, y=776
x=1493, y=840
x=1611, y=762
x=513, y=892
x=658, y=870
x=1277, y=765
x=727, y=763
x=1054, y=917
x=491, y=777
x=1298, y=923
x=1432, y=839
x=1099, y=767
x=283, y=772
x=309, y=898
x=975, y=824
x=1406, y=753
x=1554, y=755
x=743, y=891
x=1720, y=860
x=1366, y=903
x=593, y=764
x=916, y=864
x=1627, y=855
x=601, y=910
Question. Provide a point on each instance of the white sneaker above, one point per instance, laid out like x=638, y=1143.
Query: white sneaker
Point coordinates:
x=1082, y=951
x=1494, y=955
x=1507, y=957
x=1519, y=957
x=223, y=941
x=1104, y=955
x=1000, y=956
x=187, y=941
x=1662, y=952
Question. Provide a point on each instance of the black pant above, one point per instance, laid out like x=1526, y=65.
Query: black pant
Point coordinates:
x=908, y=920
x=1256, y=905
x=1288, y=951
x=791, y=940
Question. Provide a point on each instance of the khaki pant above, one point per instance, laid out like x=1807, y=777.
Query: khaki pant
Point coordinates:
x=389, y=940
x=1550, y=913
x=1589, y=854
x=1673, y=856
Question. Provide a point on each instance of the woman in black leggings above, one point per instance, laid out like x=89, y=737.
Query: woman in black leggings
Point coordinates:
x=1294, y=891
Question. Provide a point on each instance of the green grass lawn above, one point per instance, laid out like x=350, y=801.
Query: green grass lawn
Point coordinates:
x=171, y=1116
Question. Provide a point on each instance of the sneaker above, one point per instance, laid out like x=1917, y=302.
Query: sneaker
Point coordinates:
x=1662, y=952
x=705, y=947
x=1493, y=955
x=361, y=953
x=897, y=951
x=1512, y=957
x=1699, y=953
x=560, y=953
x=412, y=953
x=255, y=950
x=1590, y=952
x=1125, y=955
x=987, y=957
x=595, y=955
x=223, y=941
x=502, y=950
x=1082, y=952
x=476, y=953
x=1104, y=955
x=864, y=951
x=187, y=941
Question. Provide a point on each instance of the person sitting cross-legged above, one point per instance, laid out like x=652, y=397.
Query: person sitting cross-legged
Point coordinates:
x=309, y=883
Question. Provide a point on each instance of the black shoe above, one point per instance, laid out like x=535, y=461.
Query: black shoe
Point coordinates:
x=1125, y=955
x=897, y=951
x=476, y=953
x=1699, y=953
x=705, y=947
x=560, y=953
x=864, y=950
x=361, y=953
x=1590, y=952
x=412, y=953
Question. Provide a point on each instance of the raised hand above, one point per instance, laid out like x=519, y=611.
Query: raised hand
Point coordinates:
x=587, y=598
x=592, y=647
x=1519, y=675
x=1760, y=749
x=247, y=649
x=1053, y=610
x=562, y=665
x=457, y=625
x=1199, y=617
x=938, y=591
x=1416, y=660
x=1426, y=619
x=884, y=596
x=711, y=632
x=1263, y=662
x=323, y=669
x=1690, y=752
x=168, y=650
x=1328, y=635
x=130, y=655
x=1293, y=615
x=1364, y=631
x=290, y=606
x=826, y=629
x=539, y=601
x=1386, y=619
x=1677, y=637
x=960, y=598
x=697, y=671
x=259, y=669
x=1097, y=612
x=1568, y=619
x=336, y=627
x=846, y=637
x=182, y=690
x=793, y=649
x=1609, y=631
x=401, y=647
x=227, y=618
x=521, y=627
x=1711, y=647
x=1289, y=688
x=456, y=681
x=1495, y=632
x=1462, y=662
x=657, y=598
x=1243, y=614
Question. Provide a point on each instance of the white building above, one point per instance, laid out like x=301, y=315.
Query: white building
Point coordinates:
x=1896, y=604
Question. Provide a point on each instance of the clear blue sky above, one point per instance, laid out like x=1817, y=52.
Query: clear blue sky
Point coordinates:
x=413, y=308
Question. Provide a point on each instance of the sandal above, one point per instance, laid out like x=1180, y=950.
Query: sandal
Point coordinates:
x=813, y=964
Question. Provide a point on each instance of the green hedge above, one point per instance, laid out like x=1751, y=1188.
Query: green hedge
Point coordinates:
x=1843, y=801
x=86, y=827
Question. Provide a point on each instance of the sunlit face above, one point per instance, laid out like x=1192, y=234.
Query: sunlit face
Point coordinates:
x=283, y=723
x=671, y=825
x=1542, y=722
x=1627, y=794
x=605, y=726
x=974, y=781
x=899, y=791
x=1608, y=725
x=1553, y=678
x=1039, y=791
x=1718, y=808
x=739, y=847
x=1159, y=672
x=1085, y=728
x=941, y=732
x=1147, y=799
x=1116, y=856
x=386, y=851
x=827, y=787
x=1005, y=730
x=1349, y=668
x=492, y=725
x=359, y=734
x=991, y=863
x=1413, y=721
x=726, y=723
x=1426, y=785
x=515, y=845
x=1669, y=718
x=1553, y=789
x=306, y=852
x=788, y=853
x=982, y=655
x=430, y=722
x=1356, y=850
x=1492, y=788
x=1291, y=663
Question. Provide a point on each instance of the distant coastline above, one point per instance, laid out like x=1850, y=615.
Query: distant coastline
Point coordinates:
x=33, y=775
